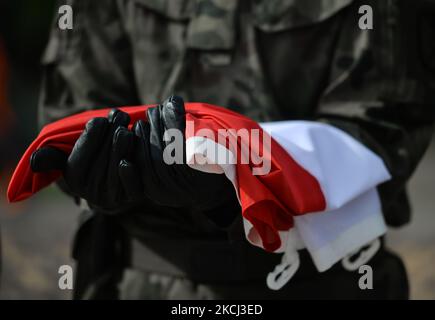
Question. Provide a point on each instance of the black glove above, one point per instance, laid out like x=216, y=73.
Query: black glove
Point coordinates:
x=175, y=185
x=91, y=171
x=113, y=168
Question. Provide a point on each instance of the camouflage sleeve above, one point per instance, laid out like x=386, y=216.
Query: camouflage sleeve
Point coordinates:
x=380, y=88
x=88, y=66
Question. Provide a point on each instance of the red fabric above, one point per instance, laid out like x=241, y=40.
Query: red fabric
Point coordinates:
x=268, y=201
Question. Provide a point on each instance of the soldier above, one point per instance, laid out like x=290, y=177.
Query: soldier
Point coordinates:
x=269, y=60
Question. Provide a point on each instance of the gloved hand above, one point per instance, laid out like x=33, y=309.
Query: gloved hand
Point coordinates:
x=174, y=185
x=91, y=171
x=113, y=168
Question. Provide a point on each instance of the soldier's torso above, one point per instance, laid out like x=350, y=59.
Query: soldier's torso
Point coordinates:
x=270, y=60
x=218, y=51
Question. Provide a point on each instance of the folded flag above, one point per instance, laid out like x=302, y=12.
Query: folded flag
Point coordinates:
x=300, y=184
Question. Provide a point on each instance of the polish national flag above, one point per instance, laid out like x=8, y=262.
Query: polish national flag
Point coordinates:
x=318, y=192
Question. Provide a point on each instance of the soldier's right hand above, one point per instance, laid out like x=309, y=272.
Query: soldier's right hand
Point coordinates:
x=91, y=170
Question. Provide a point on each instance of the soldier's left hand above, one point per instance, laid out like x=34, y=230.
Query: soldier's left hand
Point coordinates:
x=91, y=171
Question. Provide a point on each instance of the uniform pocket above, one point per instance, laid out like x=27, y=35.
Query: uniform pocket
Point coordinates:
x=157, y=32
x=273, y=16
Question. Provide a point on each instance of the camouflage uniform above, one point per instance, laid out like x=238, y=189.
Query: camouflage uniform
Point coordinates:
x=270, y=60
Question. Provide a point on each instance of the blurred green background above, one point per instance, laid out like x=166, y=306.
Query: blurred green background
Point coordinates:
x=36, y=234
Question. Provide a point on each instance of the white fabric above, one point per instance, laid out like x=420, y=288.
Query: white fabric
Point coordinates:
x=330, y=236
x=348, y=174
x=343, y=166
